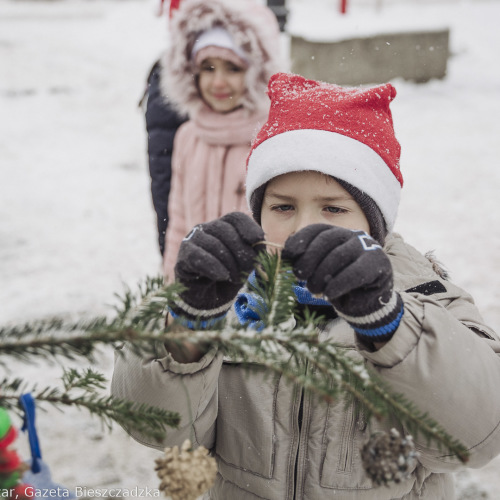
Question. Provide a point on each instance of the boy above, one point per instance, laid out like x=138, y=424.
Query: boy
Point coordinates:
x=323, y=180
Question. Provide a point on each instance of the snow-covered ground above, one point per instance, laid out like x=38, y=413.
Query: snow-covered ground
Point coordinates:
x=76, y=219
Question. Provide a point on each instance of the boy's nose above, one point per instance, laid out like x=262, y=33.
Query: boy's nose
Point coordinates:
x=305, y=219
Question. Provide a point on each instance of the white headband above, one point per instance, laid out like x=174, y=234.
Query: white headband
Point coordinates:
x=217, y=37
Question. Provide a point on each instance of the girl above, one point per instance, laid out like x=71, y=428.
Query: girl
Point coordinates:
x=324, y=181
x=216, y=70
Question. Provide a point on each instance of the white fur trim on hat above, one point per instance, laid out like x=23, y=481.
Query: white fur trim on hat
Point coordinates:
x=331, y=153
x=217, y=37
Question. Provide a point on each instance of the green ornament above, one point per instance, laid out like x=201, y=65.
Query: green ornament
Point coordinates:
x=4, y=422
x=7, y=482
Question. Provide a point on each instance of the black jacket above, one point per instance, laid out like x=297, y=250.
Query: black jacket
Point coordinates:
x=162, y=123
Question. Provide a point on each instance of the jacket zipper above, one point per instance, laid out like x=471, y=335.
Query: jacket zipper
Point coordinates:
x=300, y=422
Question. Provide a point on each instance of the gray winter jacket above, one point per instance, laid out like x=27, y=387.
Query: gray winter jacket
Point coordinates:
x=442, y=357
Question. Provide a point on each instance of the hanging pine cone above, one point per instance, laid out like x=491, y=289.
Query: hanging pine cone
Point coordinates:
x=186, y=473
x=389, y=457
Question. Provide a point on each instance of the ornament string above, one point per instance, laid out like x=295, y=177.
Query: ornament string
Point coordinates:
x=269, y=244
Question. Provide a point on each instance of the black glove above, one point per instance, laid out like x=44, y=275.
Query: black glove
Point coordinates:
x=353, y=272
x=214, y=261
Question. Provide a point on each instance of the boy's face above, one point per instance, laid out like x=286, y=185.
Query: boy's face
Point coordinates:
x=221, y=84
x=295, y=200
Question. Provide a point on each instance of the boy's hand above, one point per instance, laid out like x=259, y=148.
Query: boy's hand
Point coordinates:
x=214, y=261
x=353, y=272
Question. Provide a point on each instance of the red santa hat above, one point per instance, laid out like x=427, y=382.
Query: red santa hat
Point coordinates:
x=346, y=133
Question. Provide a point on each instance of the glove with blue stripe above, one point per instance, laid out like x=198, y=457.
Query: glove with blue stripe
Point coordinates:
x=214, y=261
x=352, y=271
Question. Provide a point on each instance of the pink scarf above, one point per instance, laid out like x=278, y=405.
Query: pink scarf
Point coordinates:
x=227, y=129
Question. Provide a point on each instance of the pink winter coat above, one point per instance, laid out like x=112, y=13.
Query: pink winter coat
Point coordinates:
x=208, y=173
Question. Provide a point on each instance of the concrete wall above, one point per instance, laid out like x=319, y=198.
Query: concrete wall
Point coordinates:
x=415, y=56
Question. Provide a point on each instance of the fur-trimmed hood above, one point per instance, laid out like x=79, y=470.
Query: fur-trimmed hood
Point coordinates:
x=252, y=26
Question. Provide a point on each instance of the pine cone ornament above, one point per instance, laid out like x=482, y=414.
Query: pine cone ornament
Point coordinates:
x=389, y=457
x=186, y=473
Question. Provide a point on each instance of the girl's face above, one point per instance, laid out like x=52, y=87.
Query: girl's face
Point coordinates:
x=221, y=84
x=295, y=200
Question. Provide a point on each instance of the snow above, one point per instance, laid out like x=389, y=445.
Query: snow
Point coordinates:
x=362, y=19
x=76, y=219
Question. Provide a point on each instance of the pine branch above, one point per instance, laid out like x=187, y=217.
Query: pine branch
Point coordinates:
x=139, y=320
x=146, y=309
x=274, y=284
x=81, y=391
x=69, y=344
x=332, y=373
x=281, y=347
x=376, y=391
x=418, y=423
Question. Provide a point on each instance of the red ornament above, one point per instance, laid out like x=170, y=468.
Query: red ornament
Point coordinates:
x=11, y=466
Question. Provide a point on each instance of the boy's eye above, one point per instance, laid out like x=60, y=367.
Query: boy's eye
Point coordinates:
x=282, y=208
x=335, y=210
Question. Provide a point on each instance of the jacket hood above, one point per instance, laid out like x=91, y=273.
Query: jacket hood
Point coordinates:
x=254, y=29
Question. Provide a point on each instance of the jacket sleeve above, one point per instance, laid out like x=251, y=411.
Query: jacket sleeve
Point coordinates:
x=189, y=389
x=447, y=362
x=162, y=122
